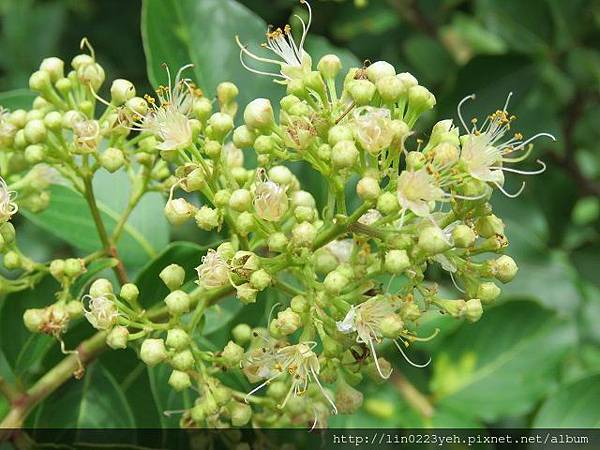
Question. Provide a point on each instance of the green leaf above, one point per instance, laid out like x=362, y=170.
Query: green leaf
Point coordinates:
x=16, y=99
x=165, y=397
x=68, y=218
x=93, y=269
x=502, y=365
x=96, y=401
x=574, y=405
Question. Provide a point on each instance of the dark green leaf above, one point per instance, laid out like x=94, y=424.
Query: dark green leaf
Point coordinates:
x=17, y=98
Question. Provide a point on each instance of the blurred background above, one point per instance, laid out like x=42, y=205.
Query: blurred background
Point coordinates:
x=534, y=359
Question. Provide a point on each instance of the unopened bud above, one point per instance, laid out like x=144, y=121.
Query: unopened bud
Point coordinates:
x=463, y=236
x=240, y=200
x=207, y=218
x=488, y=292
x=55, y=67
x=368, y=188
x=177, y=339
x=173, y=276
x=361, y=91
x=259, y=114
x=396, y=261
x=242, y=333
x=243, y=137
x=34, y=319
x=178, y=211
x=101, y=288
x=179, y=380
x=505, y=268
x=232, y=354
x=489, y=226
x=178, y=302
x=240, y=413
x=118, y=338
x=304, y=234
x=121, y=90
x=433, y=241
x=344, y=154
x=287, y=322
x=183, y=360
x=335, y=282
x=112, y=159
x=473, y=310
x=329, y=66
x=35, y=131
x=153, y=351
x=379, y=70
x=347, y=399
x=260, y=279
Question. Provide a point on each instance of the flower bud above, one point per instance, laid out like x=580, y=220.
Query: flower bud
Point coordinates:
x=92, y=75
x=178, y=211
x=246, y=293
x=101, y=287
x=12, y=261
x=242, y=333
x=407, y=79
x=415, y=160
x=299, y=304
x=433, y=241
x=221, y=124
x=335, y=282
x=361, y=91
x=304, y=234
x=488, y=292
x=368, y=188
x=396, y=261
x=410, y=312
x=118, y=338
x=240, y=413
x=112, y=159
x=489, y=226
x=463, y=236
x=379, y=70
x=202, y=108
x=277, y=390
x=387, y=203
x=505, y=268
x=177, y=339
x=303, y=198
x=347, y=399
x=420, y=100
x=445, y=154
x=281, y=175
x=173, y=276
x=344, y=155
x=39, y=81
x=226, y=92
x=232, y=355
x=55, y=67
x=314, y=81
x=183, y=360
x=260, y=279
x=243, y=137
x=57, y=269
x=137, y=105
x=74, y=267
x=207, y=218
x=339, y=133
x=240, y=200
x=178, y=302
x=35, y=131
x=391, y=89
x=120, y=91
x=329, y=66
x=264, y=144
x=473, y=310
x=259, y=114
x=456, y=308
x=287, y=322
x=391, y=326
x=179, y=380
x=34, y=319
x=153, y=351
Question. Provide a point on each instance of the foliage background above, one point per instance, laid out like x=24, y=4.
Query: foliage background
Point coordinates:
x=533, y=360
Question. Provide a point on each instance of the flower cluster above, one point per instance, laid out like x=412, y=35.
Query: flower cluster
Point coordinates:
x=396, y=204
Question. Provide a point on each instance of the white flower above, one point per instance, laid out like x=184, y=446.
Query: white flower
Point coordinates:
x=373, y=129
x=366, y=320
x=484, y=149
x=169, y=120
x=416, y=189
x=298, y=361
x=7, y=129
x=214, y=270
x=7, y=206
x=294, y=61
x=341, y=249
x=101, y=313
x=270, y=200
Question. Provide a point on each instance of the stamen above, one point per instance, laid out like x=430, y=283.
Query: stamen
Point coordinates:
x=419, y=366
x=385, y=377
x=515, y=195
x=459, y=108
x=523, y=172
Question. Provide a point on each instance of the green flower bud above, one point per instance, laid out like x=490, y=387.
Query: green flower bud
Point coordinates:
x=178, y=302
x=329, y=66
x=178, y=211
x=137, y=105
x=35, y=131
x=232, y=355
x=379, y=70
x=197, y=414
x=361, y=91
x=245, y=223
x=53, y=120
x=277, y=390
x=387, y=203
x=34, y=154
x=331, y=347
x=374, y=373
x=287, y=322
x=410, y=312
x=473, y=310
x=112, y=159
x=179, y=380
x=303, y=198
x=339, y=133
x=57, y=269
x=433, y=241
x=55, y=67
x=34, y=319
x=305, y=214
x=299, y=304
x=101, y=288
x=222, y=395
x=304, y=234
x=129, y=293
x=183, y=360
x=222, y=198
x=368, y=188
x=260, y=280
x=173, y=276
x=456, y=308
x=445, y=154
x=314, y=81
x=347, y=399
x=246, y=293
x=325, y=261
x=390, y=88
x=207, y=218
x=420, y=100
x=344, y=155
x=242, y=333
x=277, y=242
x=489, y=226
x=243, y=137
x=463, y=236
x=64, y=86
x=240, y=413
x=34, y=114
x=153, y=351
x=177, y=339
x=504, y=268
x=335, y=282
x=81, y=60
x=74, y=267
x=7, y=231
x=40, y=81
x=240, y=200
x=391, y=326
x=118, y=338
x=407, y=79
x=120, y=91
x=259, y=114
x=281, y=175
x=227, y=92
x=12, y=260
x=221, y=124
x=396, y=261
x=92, y=75
x=415, y=160
x=488, y=292
x=202, y=108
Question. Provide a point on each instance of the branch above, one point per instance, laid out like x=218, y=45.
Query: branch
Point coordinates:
x=413, y=396
x=8, y=391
